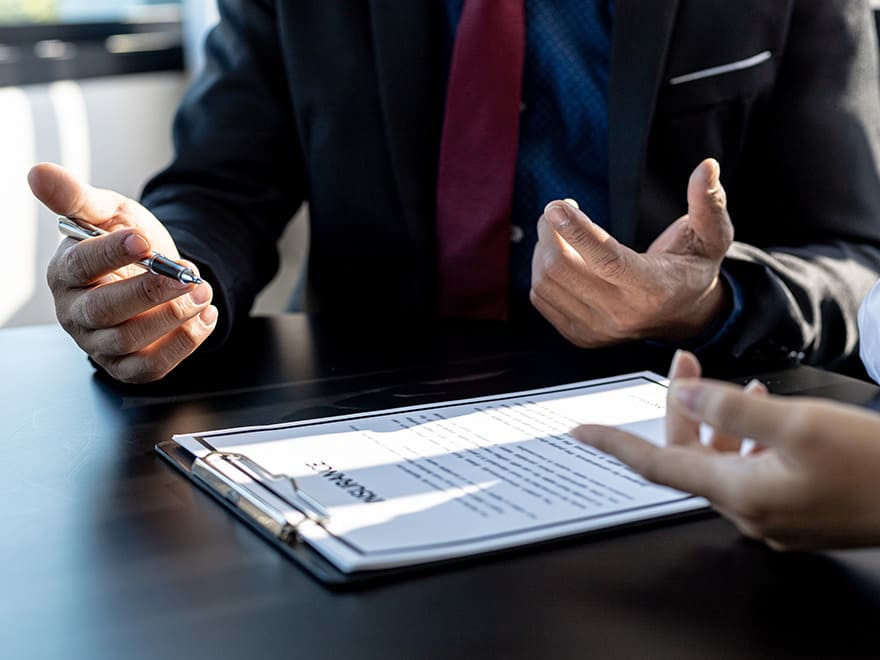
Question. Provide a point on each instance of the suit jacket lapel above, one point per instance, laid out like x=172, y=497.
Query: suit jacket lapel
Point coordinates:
x=642, y=32
x=408, y=51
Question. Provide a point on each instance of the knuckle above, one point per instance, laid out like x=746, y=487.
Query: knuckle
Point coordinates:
x=152, y=373
x=540, y=283
x=76, y=265
x=534, y=295
x=141, y=370
x=555, y=267
x=179, y=310
x=121, y=340
x=580, y=335
x=54, y=273
x=89, y=312
x=610, y=266
x=578, y=236
x=189, y=338
x=65, y=320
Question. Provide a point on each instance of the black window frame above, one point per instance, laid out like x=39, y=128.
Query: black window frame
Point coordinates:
x=34, y=53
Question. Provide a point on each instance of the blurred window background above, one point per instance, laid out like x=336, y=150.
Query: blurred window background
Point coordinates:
x=46, y=40
x=93, y=85
x=19, y=11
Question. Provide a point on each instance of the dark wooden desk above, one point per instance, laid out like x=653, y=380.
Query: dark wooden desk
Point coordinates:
x=105, y=551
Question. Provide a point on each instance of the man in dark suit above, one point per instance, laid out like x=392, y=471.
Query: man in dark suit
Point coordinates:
x=351, y=106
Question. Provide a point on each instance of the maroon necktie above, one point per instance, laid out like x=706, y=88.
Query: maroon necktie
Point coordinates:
x=478, y=160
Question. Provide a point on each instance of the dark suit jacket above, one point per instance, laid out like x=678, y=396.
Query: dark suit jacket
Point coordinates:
x=340, y=103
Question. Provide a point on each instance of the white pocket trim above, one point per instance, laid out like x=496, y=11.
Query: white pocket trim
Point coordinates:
x=747, y=63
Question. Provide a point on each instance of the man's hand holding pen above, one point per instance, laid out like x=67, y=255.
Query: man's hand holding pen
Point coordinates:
x=137, y=325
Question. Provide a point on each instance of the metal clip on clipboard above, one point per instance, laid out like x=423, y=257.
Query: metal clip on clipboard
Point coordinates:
x=213, y=472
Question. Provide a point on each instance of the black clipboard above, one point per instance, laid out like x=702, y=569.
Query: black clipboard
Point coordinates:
x=253, y=508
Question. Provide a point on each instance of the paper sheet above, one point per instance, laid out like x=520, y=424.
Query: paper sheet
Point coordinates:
x=433, y=482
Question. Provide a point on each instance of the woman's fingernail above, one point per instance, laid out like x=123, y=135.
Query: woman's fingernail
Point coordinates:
x=135, y=245
x=754, y=385
x=673, y=366
x=572, y=203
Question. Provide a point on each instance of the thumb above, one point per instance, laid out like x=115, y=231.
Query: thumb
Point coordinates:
x=707, y=211
x=66, y=195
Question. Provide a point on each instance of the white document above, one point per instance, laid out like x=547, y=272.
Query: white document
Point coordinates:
x=434, y=482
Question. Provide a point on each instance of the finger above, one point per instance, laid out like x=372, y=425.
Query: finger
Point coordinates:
x=749, y=447
x=727, y=442
x=80, y=264
x=603, y=255
x=157, y=360
x=115, y=303
x=686, y=469
x=707, y=211
x=554, y=260
x=684, y=365
x=557, y=281
x=682, y=429
x=579, y=313
x=66, y=195
x=773, y=421
x=583, y=333
x=137, y=333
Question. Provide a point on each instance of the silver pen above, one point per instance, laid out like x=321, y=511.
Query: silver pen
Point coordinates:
x=156, y=263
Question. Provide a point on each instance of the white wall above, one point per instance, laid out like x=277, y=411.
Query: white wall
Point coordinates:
x=113, y=132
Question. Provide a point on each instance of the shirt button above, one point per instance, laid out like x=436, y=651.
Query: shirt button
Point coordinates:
x=522, y=107
x=516, y=234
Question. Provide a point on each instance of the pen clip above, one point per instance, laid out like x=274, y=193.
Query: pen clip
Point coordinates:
x=77, y=229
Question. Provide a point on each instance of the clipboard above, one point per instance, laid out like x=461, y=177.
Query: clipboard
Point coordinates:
x=251, y=507
x=348, y=551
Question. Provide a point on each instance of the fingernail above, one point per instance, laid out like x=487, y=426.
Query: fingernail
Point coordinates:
x=557, y=215
x=673, y=366
x=209, y=315
x=754, y=385
x=714, y=175
x=572, y=203
x=688, y=396
x=135, y=245
x=201, y=294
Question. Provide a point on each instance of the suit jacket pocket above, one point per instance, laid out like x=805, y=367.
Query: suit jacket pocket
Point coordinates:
x=697, y=89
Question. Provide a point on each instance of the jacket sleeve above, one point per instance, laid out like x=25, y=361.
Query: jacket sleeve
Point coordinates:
x=237, y=176
x=815, y=164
